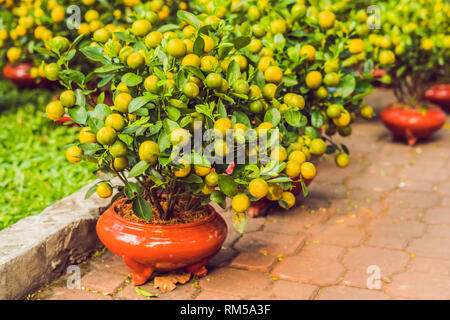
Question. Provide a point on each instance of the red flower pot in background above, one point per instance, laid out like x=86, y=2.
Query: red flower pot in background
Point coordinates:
x=20, y=75
x=411, y=124
x=146, y=248
x=440, y=95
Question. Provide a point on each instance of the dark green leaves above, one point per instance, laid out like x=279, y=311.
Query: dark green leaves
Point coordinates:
x=273, y=116
x=346, y=85
x=241, y=42
x=227, y=185
x=189, y=18
x=142, y=209
x=138, y=169
x=131, y=79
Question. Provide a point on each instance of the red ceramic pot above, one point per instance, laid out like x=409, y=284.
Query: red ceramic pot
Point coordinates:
x=20, y=75
x=440, y=95
x=146, y=248
x=411, y=124
x=297, y=186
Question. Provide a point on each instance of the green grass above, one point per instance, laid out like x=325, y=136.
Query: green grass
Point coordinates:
x=33, y=170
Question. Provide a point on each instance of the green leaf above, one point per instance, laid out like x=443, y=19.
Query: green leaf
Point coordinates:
x=239, y=220
x=189, y=18
x=131, y=79
x=217, y=196
x=173, y=113
x=317, y=119
x=137, y=103
x=78, y=114
x=138, y=169
x=125, y=36
x=169, y=27
x=108, y=68
x=273, y=116
x=312, y=132
x=241, y=42
x=142, y=209
x=239, y=116
x=90, y=146
x=233, y=72
x=94, y=53
x=227, y=185
x=193, y=178
x=91, y=191
x=199, y=45
x=346, y=85
x=131, y=189
x=145, y=293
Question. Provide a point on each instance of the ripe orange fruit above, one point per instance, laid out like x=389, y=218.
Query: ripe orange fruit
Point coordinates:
x=141, y=27
x=73, y=154
x=342, y=160
x=102, y=35
x=273, y=74
x=54, y=110
x=201, y=171
x=176, y=48
x=356, y=46
x=287, y=200
x=326, y=19
x=122, y=101
x=149, y=151
x=104, y=190
x=313, y=79
x=153, y=39
x=191, y=60
x=308, y=170
x=269, y=91
x=294, y=100
x=317, y=147
x=106, y=136
x=278, y=26
x=179, y=137
x=274, y=191
x=240, y=202
x=135, y=60
x=293, y=168
x=308, y=51
x=184, y=171
x=86, y=135
x=115, y=121
x=151, y=84
x=297, y=156
x=209, y=64
x=258, y=188
x=213, y=80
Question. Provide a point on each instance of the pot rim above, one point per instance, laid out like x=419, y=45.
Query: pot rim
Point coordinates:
x=391, y=106
x=211, y=216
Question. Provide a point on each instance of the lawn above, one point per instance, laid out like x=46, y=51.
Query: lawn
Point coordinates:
x=33, y=170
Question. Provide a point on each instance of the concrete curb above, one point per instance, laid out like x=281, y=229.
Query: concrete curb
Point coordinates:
x=37, y=249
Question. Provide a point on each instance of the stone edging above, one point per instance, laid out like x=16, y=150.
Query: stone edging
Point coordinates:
x=37, y=249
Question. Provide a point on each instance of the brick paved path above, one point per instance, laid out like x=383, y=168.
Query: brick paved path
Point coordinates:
x=389, y=209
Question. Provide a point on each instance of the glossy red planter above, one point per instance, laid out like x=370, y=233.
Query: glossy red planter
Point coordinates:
x=146, y=248
x=297, y=186
x=20, y=75
x=440, y=95
x=410, y=124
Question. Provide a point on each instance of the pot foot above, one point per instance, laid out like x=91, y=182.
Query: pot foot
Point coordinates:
x=139, y=273
x=198, y=269
x=410, y=137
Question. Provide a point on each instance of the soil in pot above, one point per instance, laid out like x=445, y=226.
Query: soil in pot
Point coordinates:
x=411, y=124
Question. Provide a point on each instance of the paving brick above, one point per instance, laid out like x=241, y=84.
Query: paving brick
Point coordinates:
x=425, y=173
x=254, y=261
x=437, y=216
x=75, y=294
x=321, y=251
x=108, y=261
x=373, y=182
x=296, y=222
x=208, y=295
x=289, y=290
x=412, y=199
x=430, y=247
x=444, y=188
x=223, y=258
x=182, y=292
x=418, y=285
x=412, y=185
x=339, y=235
x=237, y=282
x=309, y=270
x=358, y=260
x=270, y=243
x=393, y=233
x=438, y=231
x=102, y=281
x=349, y=293
x=405, y=213
x=433, y=266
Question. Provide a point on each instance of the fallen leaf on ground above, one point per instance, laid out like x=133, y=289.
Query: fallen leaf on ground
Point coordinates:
x=145, y=293
x=168, y=282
